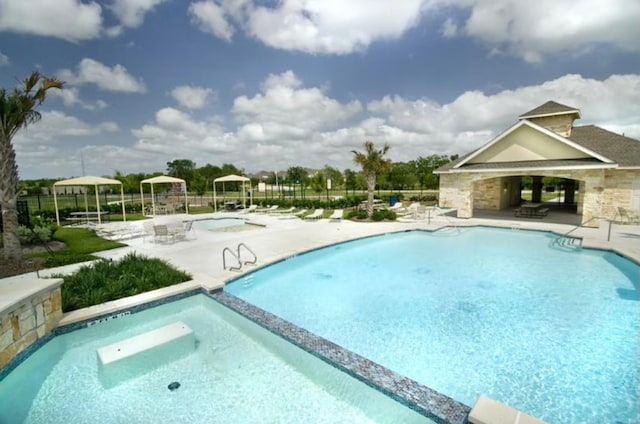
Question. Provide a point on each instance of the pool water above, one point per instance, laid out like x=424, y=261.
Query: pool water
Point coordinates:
x=549, y=331
x=218, y=223
x=238, y=373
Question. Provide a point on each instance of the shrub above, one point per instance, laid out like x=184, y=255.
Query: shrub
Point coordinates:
x=378, y=215
x=390, y=215
x=29, y=236
x=104, y=280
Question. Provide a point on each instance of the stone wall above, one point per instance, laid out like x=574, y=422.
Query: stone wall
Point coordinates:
x=600, y=191
x=22, y=324
x=620, y=188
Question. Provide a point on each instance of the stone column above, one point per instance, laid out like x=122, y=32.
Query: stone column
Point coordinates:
x=536, y=190
x=592, y=197
x=569, y=192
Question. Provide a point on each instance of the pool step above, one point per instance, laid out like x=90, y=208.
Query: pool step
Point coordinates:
x=140, y=354
x=489, y=411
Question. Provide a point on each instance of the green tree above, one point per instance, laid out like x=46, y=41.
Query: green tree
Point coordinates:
x=402, y=176
x=334, y=175
x=350, y=180
x=424, y=167
x=181, y=168
x=17, y=110
x=297, y=175
x=198, y=183
x=318, y=182
x=372, y=162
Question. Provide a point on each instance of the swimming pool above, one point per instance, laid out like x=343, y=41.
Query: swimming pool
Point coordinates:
x=238, y=373
x=485, y=311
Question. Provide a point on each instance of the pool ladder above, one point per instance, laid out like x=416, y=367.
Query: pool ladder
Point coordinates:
x=238, y=257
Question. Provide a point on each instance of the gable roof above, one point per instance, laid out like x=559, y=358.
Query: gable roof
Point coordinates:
x=619, y=151
x=550, y=108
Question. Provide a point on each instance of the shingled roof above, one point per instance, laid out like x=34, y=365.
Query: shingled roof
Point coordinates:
x=623, y=150
x=550, y=108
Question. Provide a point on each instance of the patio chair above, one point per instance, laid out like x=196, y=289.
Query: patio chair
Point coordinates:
x=147, y=228
x=336, y=215
x=162, y=232
x=627, y=217
x=180, y=230
x=317, y=214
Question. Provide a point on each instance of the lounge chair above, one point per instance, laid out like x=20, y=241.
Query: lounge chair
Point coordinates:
x=397, y=206
x=285, y=211
x=317, y=214
x=250, y=209
x=273, y=209
x=293, y=215
x=267, y=210
x=336, y=215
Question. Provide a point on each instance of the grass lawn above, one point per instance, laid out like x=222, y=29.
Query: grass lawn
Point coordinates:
x=80, y=243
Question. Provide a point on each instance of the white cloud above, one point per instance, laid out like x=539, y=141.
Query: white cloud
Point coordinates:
x=56, y=125
x=283, y=104
x=311, y=26
x=474, y=117
x=132, y=12
x=116, y=78
x=71, y=96
x=4, y=59
x=287, y=124
x=210, y=17
x=50, y=146
x=192, y=97
x=533, y=30
x=177, y=133
x=71, y=20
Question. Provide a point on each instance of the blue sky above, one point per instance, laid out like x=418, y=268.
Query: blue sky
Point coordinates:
x=266, y=85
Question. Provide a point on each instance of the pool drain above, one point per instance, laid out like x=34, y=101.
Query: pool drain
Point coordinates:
x=174, y=386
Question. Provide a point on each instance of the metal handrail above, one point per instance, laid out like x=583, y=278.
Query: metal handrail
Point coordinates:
x=580, y=225
x=224, y=260
x=446, y=217
x=251, y=262
x=562, y=240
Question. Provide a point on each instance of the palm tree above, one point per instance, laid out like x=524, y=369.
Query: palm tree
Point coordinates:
x=372, y=162
x=17, y=110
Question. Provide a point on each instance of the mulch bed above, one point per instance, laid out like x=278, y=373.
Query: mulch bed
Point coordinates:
x=10, y=268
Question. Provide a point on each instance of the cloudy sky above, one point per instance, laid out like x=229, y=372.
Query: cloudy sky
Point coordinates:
x=266, y=84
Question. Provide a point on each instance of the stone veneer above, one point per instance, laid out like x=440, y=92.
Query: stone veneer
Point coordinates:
x=559, y=124
x=599, y=190
x=29, y=320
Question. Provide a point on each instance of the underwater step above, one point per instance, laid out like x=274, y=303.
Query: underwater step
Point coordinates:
x=140, y=354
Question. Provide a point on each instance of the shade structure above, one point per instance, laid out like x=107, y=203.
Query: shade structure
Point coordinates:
x=230, y=178
x=163, y=179
x=88, y=181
